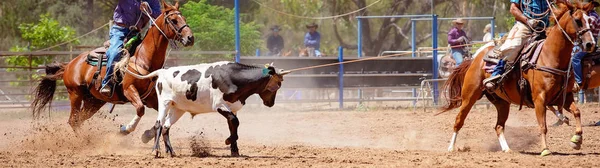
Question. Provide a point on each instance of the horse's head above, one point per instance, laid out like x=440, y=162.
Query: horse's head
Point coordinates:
x=174, y=25
x=575, y=22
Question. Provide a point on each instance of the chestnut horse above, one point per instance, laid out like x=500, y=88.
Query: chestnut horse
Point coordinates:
x=149, y=56
x=547, y=78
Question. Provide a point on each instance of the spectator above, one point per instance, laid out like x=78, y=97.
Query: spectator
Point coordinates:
x=488, y=33
x=312, y=40
x=457, y=37
x=275, y=42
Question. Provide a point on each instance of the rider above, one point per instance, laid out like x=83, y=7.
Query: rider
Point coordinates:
x=576, y=59
x=312, y=39
x=126, y=15
x=457, y=37
x=530, y=16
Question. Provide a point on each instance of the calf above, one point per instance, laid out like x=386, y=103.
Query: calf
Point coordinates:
x=221, y=87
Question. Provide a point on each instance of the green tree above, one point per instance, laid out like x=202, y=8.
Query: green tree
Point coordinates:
x=45, y=33
x=213, y=28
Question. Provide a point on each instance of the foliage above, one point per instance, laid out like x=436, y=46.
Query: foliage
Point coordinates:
x=45, y=33
x=213, y=28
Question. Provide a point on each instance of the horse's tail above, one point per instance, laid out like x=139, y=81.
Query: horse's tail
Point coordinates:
x=453, y=86
x=44, y=92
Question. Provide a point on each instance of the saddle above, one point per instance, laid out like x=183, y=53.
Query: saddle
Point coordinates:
x=527, y=59
x=98, y=58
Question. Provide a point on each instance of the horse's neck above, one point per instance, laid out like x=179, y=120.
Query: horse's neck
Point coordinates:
x=152, y=52
x=557, y=50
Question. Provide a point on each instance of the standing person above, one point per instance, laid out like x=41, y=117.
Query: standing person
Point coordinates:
x=594, y=21
x=312, y=39
x=533, y=16
x=126, y=15
x=488, y=36
x=275, y=42
x=457, y=37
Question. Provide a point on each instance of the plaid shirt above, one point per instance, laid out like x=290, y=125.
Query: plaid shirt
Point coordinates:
x=534, y=7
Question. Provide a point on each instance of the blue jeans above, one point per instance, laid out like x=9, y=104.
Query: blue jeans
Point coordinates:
x=577, y=69
x=457, y=54
x=499, y=69
x=117, y=36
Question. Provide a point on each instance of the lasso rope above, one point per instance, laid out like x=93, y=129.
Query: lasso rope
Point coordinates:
x=402, y=54
x=316, y=18
x=76, y=38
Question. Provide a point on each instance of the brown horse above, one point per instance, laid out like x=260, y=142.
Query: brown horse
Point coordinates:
x=547, y=79
x=149, y=56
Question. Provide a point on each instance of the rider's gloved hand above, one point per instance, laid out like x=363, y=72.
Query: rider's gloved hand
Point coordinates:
x=145, y=7
x=534, y=24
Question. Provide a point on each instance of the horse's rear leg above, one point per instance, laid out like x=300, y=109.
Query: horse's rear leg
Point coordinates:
x=562, y=119
x=470, y=94
x=503, y=109
x=577, y=139
x=76, y=99
x=540, y=112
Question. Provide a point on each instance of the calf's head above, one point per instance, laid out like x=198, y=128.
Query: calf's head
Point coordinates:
x=271, y=85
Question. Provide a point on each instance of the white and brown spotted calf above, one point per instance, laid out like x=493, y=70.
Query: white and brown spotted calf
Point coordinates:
x=221, y=87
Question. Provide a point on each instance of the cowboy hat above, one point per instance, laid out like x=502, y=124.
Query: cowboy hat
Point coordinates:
x=596, y=4
x=275, y=28
x=459, y=21
x=312, y=25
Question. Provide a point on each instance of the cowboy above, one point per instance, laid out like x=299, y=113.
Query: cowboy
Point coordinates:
x=312, y=39
x=457, y=38
x=487, y=31
x=275, y=42
x=594, y=21
x=533, y=16
x=126, y=15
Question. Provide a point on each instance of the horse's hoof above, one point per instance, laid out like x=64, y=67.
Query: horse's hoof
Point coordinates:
x=147, y=136
x=451, y=149
x=235, y=154
x=558, y=123
x=545, y=152
x=123, y=130
x=508, y=151
x=576, y=142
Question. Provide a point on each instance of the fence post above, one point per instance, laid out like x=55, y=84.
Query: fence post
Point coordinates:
x=258, y=52
x=413, y=40
x=71, y=52
x=341, y=77
x=434, y=36
x=237, y=31
x=359, y=38
x=493, y=23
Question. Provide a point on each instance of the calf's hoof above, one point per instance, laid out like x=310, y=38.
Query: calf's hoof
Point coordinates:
x=235, y=154
x=576, y=142
x=148, y=135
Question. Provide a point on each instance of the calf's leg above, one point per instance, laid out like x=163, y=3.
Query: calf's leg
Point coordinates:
x=174, y=115
x=233, y=123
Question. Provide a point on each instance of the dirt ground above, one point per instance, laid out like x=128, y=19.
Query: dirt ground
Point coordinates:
x=279, y=137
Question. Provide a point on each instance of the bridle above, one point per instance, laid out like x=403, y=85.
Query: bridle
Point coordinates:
x=178, y=35
x=580, y=32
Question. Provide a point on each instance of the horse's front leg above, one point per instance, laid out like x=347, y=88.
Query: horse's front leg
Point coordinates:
x=540, y=112
x=233, y=123
x=577, y=139
x=133, y=96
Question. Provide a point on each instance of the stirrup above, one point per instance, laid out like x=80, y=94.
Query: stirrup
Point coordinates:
x=491, y=81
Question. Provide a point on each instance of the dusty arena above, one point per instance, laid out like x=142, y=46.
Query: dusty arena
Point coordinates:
x=281, y=137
